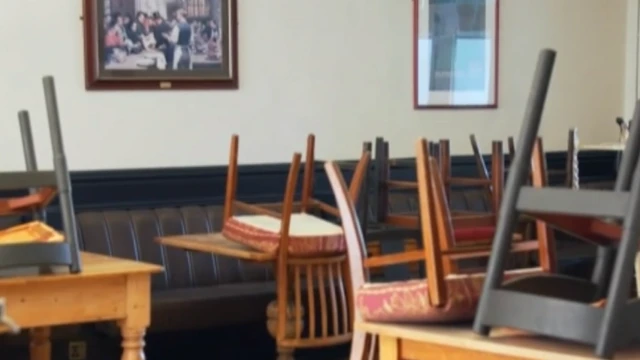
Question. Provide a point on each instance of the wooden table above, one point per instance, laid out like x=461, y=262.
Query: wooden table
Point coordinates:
x=216, y=243
x=331, y=298
x=107, y=289
x=457, y=342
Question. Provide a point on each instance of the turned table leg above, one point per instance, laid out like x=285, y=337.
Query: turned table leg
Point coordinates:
x=40, y=345
x=138, y=316
x=132, y=343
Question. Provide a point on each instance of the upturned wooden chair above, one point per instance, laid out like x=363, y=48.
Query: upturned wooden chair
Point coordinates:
x=307, y=203
x=390, y=233
x=449, y=246
x=312, y=307
x=443, y=296
x=491, y=185
x=572, y=170
x=309, y=255
x=383, y=184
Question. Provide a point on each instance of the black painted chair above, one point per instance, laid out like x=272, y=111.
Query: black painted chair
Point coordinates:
x=38, y=255
x=597, y=312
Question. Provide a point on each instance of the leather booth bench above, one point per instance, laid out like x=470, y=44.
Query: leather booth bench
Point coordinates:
x=202, y=290
x=199, y=290
x=196, y=290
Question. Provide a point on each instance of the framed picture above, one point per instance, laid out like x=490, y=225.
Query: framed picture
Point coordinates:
x=160, y=44
x=456, y=54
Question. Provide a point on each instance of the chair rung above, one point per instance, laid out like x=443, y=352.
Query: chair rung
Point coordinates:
x=468, y=181
x=460, y=253
x=392, y=259
x=595, y=203
x=27, y=179
x=392, y=234
x=403, y=185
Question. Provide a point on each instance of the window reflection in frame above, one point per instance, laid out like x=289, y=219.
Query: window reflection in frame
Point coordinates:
x=456, y=54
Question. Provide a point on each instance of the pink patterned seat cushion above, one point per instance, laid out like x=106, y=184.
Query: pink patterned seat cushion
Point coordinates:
x=308, y=235
x=408, y=301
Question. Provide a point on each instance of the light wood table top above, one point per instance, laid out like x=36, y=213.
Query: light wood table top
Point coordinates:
x=215, y=243
x=93, y=265
x=415, y=342
x=108, y=288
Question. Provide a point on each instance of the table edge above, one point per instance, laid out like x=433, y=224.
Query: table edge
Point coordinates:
x=170, y=241
x=475, y=343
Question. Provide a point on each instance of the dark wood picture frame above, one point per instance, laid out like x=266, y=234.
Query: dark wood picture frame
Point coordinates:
x=218, y=68
x=487, y=97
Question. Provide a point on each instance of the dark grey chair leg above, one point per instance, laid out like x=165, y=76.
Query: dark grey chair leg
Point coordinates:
x=621, y=277
x=29, y=152
x=28, y=147
x=556, y=305
x=62, y=174
x=606, y=254
x=518, y=174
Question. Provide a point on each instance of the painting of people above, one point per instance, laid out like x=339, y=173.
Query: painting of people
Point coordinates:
x=162, y=41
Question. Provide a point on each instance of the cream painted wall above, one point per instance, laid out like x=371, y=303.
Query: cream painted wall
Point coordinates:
x=631, y=58
x=340, y=69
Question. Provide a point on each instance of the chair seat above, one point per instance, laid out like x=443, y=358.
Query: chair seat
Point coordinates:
x=471, y=234
x=31, y=232
x=408, y=301
x=308, y=235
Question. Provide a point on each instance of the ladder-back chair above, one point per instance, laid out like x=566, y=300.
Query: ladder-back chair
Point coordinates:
x=571, y=171
x=383, y=184
x=441, y=297
x=451, y=250
x=491, y=185
x=390, y=232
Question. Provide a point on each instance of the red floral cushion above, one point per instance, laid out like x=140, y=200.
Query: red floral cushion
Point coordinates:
x=308, y=235
x=408, y=301
x=474, y=233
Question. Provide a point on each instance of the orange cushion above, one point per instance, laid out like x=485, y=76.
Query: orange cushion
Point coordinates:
x=408, y=301
x=308, y=235
x=474, y=233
